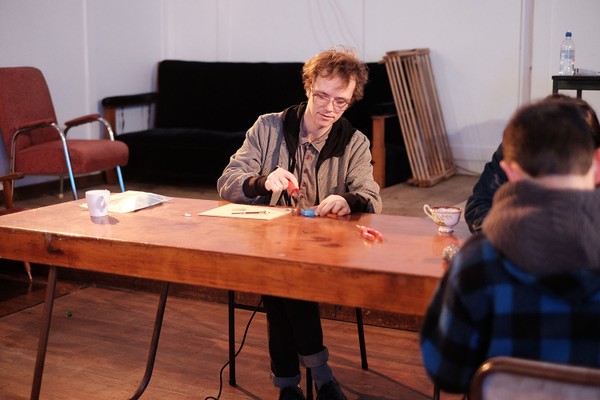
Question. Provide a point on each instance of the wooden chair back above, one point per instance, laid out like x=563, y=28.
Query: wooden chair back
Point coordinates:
x=509, y=378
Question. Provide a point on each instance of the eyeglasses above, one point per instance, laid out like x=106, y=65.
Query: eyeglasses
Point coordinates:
x=321, y=99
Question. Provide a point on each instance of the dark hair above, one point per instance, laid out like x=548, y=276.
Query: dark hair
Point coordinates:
x=590, y=115
x=337, y=62
x=550, y=137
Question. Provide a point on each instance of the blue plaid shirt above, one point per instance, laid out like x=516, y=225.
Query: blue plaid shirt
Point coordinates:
x=486, y=306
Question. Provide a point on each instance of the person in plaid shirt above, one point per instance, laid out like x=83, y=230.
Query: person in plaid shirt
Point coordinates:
x=492, y=177
x=529, y=284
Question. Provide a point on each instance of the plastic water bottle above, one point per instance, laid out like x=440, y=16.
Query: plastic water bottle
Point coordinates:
x=567, y=55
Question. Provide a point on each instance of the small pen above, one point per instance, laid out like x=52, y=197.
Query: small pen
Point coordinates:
x=250, y=212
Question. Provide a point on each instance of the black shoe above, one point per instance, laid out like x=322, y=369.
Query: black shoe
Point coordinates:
x=291, y=393
x=331, y=391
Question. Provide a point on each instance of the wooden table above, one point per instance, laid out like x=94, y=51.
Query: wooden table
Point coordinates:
x=318, y=259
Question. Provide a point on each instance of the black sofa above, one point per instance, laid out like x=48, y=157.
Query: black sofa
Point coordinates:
x=202, y=111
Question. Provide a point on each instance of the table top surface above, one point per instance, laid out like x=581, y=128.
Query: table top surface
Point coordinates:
x=322, y=259
x=576, y=77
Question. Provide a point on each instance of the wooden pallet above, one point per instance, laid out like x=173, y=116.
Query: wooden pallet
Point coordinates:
x=420, y=116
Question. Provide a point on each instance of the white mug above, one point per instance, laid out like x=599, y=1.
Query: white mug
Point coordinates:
x=97, y=202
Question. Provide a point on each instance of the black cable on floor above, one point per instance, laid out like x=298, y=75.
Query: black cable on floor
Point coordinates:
x=236, y=353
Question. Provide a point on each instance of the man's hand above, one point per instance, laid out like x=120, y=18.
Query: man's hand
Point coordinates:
x=333, y=204
x=279, y=180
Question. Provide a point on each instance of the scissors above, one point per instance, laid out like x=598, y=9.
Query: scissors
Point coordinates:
x=294, y=193
x=370, y=233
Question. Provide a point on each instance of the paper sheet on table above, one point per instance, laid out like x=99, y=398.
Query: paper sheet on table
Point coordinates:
x=132, y=200
x=247, y=211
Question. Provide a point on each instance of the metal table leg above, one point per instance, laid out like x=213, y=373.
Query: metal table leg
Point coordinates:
x=44, y=332
x=162, y=303
x=361, y=339
x=231, y=303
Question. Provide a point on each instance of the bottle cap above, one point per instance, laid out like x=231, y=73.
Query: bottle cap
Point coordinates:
x=569, y=34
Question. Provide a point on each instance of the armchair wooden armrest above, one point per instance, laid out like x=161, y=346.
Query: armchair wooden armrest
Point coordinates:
x=40, y=123
x=82, y=120
x=86, y=119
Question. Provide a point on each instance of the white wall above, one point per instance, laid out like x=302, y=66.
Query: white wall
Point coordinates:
x=92, y=49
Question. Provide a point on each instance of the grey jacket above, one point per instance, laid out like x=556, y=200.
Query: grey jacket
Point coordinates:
x=350, y=173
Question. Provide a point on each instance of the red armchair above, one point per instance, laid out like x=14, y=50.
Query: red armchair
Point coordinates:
x=34, y=142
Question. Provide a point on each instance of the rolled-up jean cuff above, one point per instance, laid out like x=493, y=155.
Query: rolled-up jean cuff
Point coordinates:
x=283, y=382
x=314, y=360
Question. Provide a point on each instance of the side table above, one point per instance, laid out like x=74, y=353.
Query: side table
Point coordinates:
x=575, y=82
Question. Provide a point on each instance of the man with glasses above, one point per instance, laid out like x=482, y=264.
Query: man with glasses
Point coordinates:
x=310, y=147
